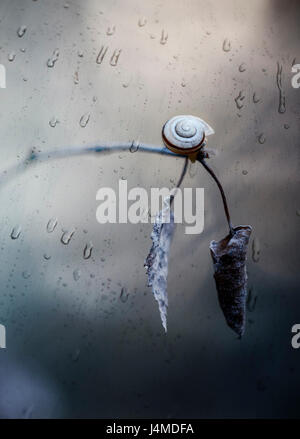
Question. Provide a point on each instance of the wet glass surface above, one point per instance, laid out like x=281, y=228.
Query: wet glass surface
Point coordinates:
x=84, y=337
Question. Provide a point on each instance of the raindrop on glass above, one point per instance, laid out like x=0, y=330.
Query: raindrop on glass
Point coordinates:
x=53, y=122
x=101, y=54
x=124, y=295
x=111, y=30
x=21, y=31
x=255, y=249
x=134, y=146
x=84, y=120
x=239, y=100
x=142, y=21
x=226, y=45
x=76, y=78
x=52, y=60
x=126, y=84
x=261, y=139
x=66, y=236
x=255, y=98
x=251, y=300
x=47, y=256
x=115, y=57
x=52, y=223
x=28, y=412
x=26, y=274
x=87, y=252
x=15, y=233
x=76, y=355
x=11, y=56
x=76, y=274
x=164, y=37
x=281, y=105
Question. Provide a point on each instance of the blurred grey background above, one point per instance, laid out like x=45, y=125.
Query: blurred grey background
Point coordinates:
x=76, y=347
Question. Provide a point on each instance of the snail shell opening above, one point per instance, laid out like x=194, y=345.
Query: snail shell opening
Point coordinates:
x=185, y=134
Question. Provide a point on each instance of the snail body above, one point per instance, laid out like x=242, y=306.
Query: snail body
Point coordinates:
x=185, y=134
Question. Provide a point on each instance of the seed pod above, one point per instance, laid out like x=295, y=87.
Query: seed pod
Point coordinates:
x=229, y=258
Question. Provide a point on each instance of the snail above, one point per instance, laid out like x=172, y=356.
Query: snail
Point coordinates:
x=186, y=135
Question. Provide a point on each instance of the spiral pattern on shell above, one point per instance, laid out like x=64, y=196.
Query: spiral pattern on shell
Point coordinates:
x=184, y=134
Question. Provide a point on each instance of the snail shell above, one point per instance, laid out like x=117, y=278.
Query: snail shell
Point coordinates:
x=185, y=134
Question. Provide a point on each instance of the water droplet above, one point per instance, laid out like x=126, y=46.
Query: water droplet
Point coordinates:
x=226, y=45
x=134, y=146
x=242, y=67
x=66, y=236
x=255, y=249
x=76, y=355
x=15, y=233
x=84, y=120
x=11, y=56
x=66, y=5
x=87, y=252
x=255, y=98
x=244, y=172
x=26, y=274
x=111, y=30
x=142, y=21
x=76, y=78
x=80, y=53
x=251, y=300
x=239, y=100
x=52, y=223
x=21, y=31
x=47, y=256
x=261, y=138
x=126, y=84
x=28, y=412
x=281, y=106
x=53, y=122
x=52, y=60
x=298, y=212
x=183, y=83
x=101, y=54
x=76, y=274
x=124, y=295
x=286, y=126
x=115, y=57
x=164, y=37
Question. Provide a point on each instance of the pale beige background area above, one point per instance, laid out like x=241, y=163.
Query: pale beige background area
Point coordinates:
x=73, y=347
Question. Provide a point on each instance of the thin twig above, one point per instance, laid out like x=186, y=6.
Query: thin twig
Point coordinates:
x=183, y=173
x=211, y=172
x=73, y=151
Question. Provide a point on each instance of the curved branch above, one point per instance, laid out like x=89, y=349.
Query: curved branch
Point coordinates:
x=211, y=172
x=105, y=148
